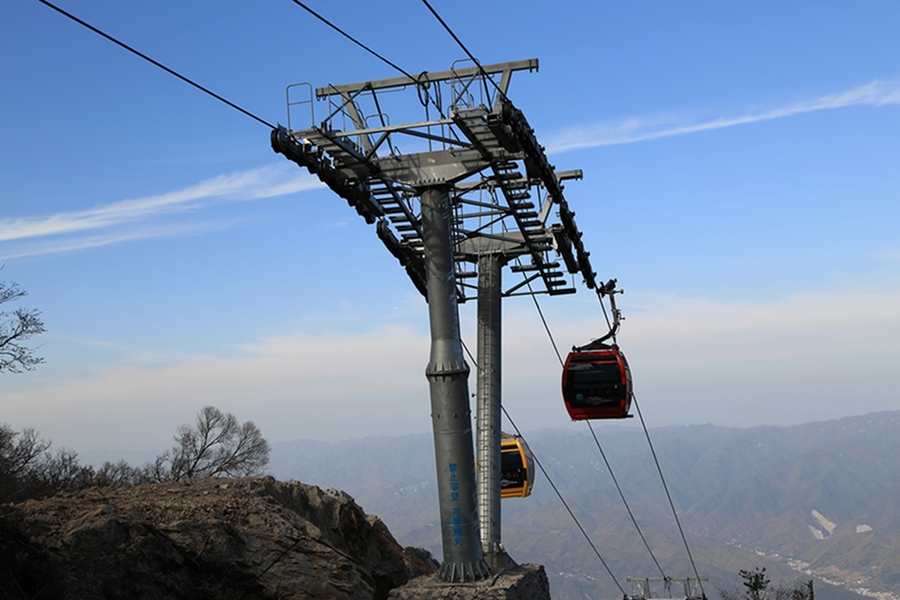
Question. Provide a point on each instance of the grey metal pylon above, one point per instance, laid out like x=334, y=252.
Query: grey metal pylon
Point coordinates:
x=451, y=418
x=487, y=423
x=475, y=150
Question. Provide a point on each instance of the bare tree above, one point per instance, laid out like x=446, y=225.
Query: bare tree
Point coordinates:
x=19, y=451
x=16, y=327
x=61, y=471
x=20, y=455
x=756, y=585
x=119, y=474
x=29, y=470
x=216, y=445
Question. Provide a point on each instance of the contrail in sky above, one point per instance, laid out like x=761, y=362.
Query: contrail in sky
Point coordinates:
x=264, y=182
x=135, y=219
x=639, y=129
x=267, y=182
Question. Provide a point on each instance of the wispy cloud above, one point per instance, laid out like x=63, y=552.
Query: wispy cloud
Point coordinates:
x=891, y=255
x=335, y=225
x=292, y=385
x=57, y=244
x=785, y=360
x=638, y=129
x=264, y=182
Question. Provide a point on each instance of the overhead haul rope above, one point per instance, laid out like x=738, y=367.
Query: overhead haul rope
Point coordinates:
x=596, y=440
x=668, y=495
x=157, y=63
x=612, y=333
x=553, y=485
x=563, y=500
x=625, y=502
x=484, y=75
x=421, y=82
x=352, y=39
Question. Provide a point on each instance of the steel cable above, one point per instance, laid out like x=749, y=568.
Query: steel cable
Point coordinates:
x=668, y=495
x=625, y=502
x=566, y=505
x=354, y=40
x=597, y=441
x=417, y=81
x=484, y=75
x=156, y=63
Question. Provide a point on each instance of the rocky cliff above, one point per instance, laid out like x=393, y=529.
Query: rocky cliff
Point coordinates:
x=210, y=538
x=217, y=538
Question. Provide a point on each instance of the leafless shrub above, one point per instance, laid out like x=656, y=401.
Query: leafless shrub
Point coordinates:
x=29, y=470
x=60, y=471
x=756, y=587
x=19, y=451
x=19, y=454
x=118, y=474
x=215, y=445
x=16, y=327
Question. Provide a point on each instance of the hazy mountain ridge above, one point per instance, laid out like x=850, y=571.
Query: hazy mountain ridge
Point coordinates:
x=741, y=494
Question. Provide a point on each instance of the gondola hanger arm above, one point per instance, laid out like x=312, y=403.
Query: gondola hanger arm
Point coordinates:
x=607, y=289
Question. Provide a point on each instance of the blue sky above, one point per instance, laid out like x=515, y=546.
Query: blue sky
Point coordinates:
x=740, y=180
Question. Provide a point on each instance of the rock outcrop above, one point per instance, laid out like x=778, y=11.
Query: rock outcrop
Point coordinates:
x=209, y=538
x=525, y=582
x=223, y=539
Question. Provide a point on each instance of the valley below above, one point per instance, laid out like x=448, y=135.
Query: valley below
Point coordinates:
x=815, y=501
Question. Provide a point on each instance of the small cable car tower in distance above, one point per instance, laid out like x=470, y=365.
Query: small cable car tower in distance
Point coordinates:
x=642, y=589
x=458, y=191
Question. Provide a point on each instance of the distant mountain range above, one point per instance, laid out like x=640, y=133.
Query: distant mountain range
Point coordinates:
x=817, y=501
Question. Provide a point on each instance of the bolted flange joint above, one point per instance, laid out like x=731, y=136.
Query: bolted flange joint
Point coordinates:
x=447, y=369
x=456, y=572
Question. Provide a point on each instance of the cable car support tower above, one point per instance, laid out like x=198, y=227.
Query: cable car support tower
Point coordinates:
x=455, y=195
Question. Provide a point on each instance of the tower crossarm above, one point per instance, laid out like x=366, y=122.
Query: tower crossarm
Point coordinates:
x=429, y=78
x=496, y=140
x=537, y=165
x=340, y=173
x=356, y=178
x=504, y=191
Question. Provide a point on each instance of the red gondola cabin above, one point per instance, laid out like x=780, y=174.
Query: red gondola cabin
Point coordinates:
x=596, y=384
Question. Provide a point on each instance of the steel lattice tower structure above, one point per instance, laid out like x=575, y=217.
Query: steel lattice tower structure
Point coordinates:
x=456, y=195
